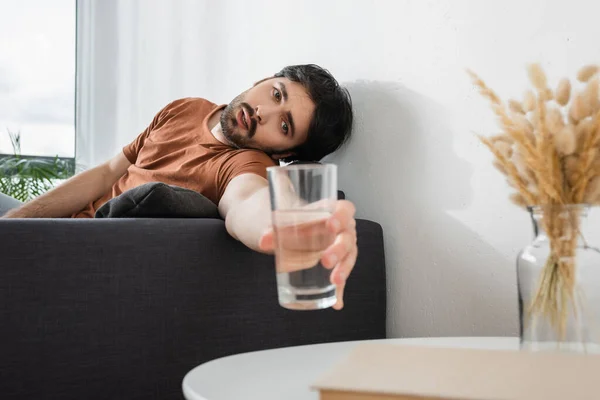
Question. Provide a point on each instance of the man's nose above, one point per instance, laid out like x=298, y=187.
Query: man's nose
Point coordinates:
x=262, y=113
x=257, y=114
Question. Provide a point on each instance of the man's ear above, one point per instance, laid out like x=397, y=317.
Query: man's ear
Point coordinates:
x=263, y=80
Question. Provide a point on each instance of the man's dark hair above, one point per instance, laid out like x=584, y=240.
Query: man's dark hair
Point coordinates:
x=331, y=123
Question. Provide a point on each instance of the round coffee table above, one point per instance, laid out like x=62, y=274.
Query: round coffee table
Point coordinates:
x=288, y=373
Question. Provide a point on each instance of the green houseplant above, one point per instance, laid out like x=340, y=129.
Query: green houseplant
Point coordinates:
x=25, y=178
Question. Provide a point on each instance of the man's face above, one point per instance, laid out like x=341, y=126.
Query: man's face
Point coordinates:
x=272, y=116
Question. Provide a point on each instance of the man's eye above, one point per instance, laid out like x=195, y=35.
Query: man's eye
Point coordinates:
x=277, y=95
x=284, y=127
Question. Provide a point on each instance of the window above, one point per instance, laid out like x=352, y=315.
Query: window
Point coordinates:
x=37, y=76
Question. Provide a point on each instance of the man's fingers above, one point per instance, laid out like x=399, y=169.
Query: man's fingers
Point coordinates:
x=340, y=297
x=339, y=250
x=339, y=276
x=267, y=241
x=343, y=217
x=343, y=269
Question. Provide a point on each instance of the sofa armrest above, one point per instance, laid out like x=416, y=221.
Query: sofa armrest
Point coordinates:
x=124, y=308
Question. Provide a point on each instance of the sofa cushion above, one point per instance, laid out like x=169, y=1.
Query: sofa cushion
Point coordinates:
x=341, y=195
x=158, y=200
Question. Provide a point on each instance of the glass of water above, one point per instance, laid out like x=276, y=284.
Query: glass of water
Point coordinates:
x=303, y=198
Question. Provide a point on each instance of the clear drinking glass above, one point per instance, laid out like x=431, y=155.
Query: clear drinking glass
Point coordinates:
x=302, y=200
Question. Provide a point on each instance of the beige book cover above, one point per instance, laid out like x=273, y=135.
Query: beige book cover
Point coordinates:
x=386, y=372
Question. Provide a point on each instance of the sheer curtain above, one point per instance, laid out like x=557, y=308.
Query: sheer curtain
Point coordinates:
x=133, y=57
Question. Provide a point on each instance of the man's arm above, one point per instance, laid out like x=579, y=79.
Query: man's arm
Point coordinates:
x=74, y=194
x=246, y=208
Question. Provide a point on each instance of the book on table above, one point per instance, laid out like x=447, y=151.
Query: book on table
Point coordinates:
x=403, y=372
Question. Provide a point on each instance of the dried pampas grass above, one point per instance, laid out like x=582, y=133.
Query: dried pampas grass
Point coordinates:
x=563, y=92
x=529, y=101
x=537, y=77
x=556, y=136
x=549, y=151
x=585, y=73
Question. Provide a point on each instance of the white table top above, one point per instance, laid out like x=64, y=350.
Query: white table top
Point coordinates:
x=288, y=373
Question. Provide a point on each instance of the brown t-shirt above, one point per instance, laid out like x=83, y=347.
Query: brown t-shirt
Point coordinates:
x=179, y=149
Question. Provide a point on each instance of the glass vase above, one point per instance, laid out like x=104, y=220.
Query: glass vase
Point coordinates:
x=559, y=282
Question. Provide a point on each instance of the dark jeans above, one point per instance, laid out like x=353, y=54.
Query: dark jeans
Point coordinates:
x=7, y=203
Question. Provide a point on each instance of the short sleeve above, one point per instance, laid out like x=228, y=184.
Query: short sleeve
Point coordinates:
x=242, y=162
x=132, y=150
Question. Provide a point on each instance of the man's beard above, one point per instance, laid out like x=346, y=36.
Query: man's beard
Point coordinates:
x=231, y=128
x=232, y=131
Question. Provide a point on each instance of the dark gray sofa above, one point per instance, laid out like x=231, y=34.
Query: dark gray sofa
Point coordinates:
x=124, y=308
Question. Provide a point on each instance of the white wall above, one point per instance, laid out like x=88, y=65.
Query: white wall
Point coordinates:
x=414, y=164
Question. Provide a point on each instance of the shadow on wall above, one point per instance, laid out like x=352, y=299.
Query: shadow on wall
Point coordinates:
x=400, y=169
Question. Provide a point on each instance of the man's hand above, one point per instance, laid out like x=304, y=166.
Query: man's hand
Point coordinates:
x=341, y=255
x=245, y=206
x=74, y=194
